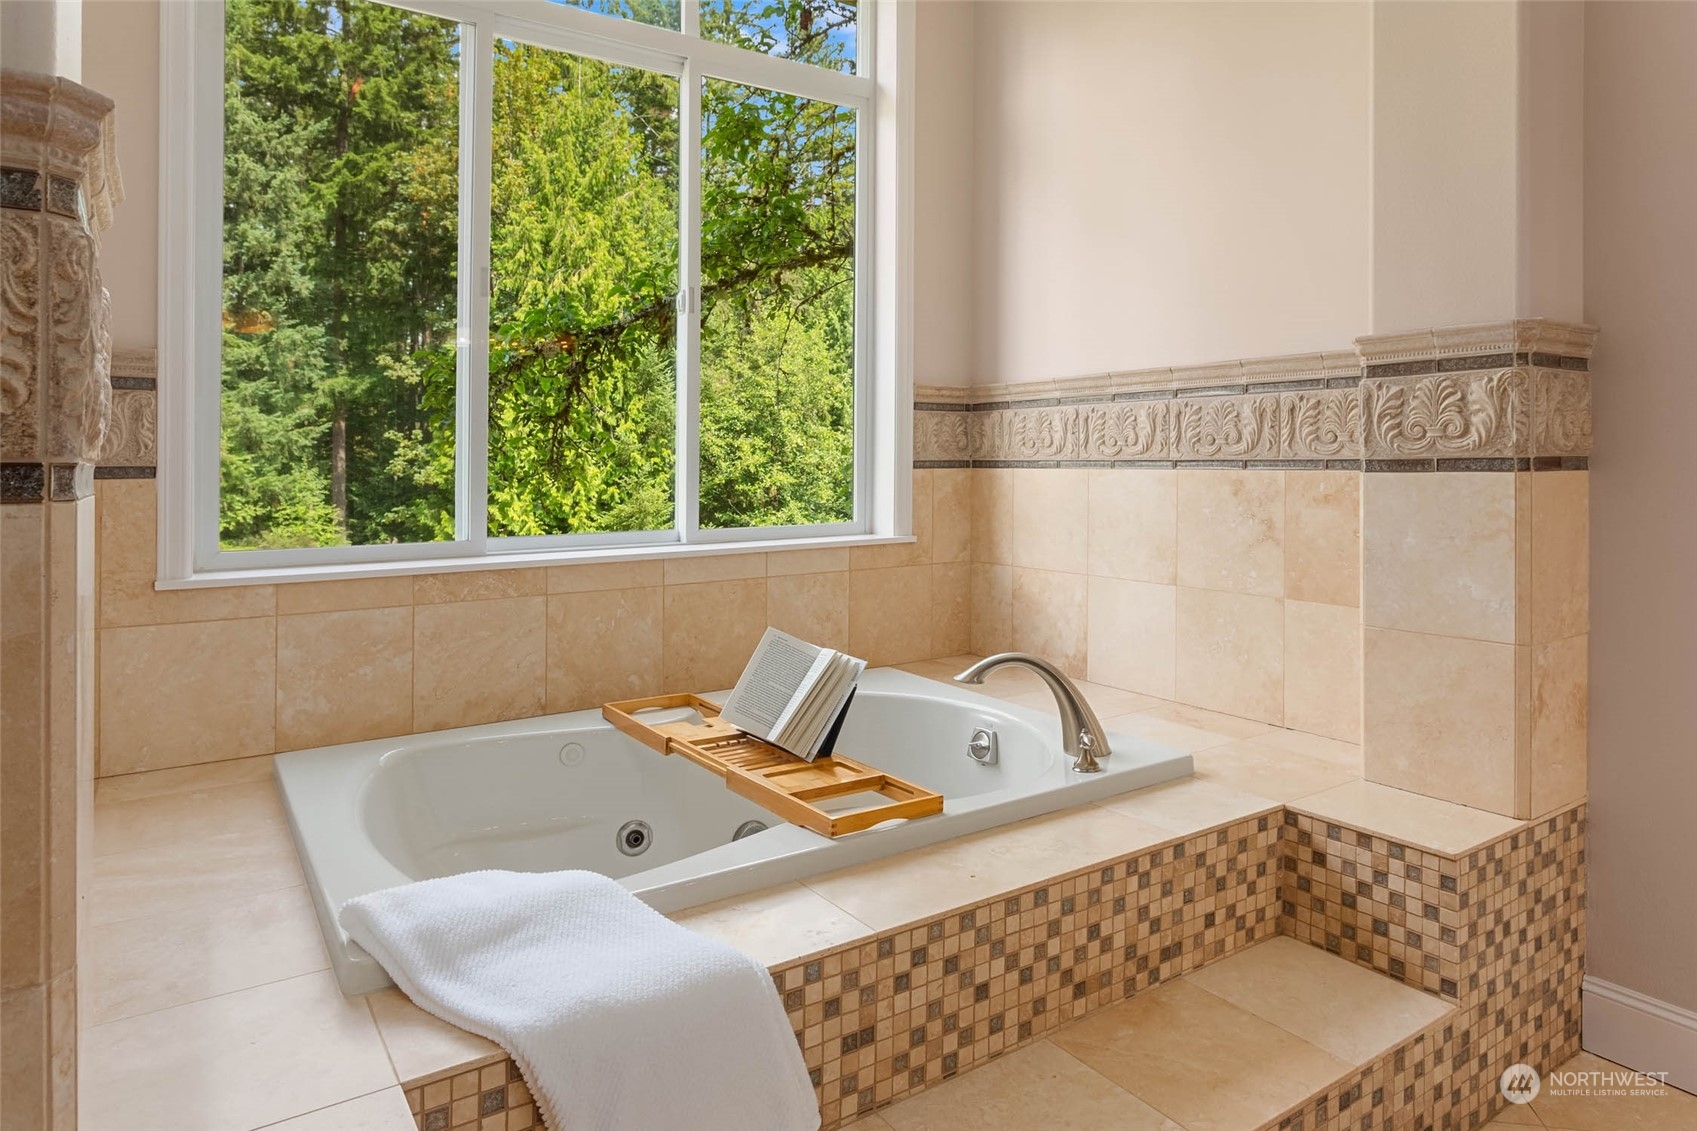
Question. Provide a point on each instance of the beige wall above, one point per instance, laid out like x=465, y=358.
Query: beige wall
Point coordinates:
x=1641, y=288
x=1238, y=591
x=1168, y=184
x=121, y=60
x=943, y=150
x=1477, y=179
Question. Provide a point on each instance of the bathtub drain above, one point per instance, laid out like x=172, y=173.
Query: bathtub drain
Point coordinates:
x=634, y=838
x=748, y=828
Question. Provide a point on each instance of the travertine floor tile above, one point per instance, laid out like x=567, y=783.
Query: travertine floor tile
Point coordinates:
x=1672, y=1111
x=1516, y=1115
x=189, y=815
x=420, y=1043
x=379, y=1111
x=870, y=1123
x=180, y=779
x=1199, y=1059
x=1036, y=1087
x=776, y=925
x=157, y=961
x=174, y=877
x=234, y=1062
x=1348, y=1010
x=1441, y=826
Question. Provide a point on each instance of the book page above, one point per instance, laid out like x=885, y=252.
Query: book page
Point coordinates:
x=767, y=692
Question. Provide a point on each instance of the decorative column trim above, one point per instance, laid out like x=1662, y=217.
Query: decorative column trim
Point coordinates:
x=58, y=184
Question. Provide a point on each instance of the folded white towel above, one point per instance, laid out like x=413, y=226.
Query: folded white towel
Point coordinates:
x=620, y=1019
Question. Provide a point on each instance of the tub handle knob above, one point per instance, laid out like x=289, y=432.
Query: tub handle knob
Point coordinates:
x=1086, y=763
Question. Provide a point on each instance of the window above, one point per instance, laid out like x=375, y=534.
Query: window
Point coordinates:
x=518, y=280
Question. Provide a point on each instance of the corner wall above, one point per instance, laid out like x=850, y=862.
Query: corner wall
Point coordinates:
x=1640, y=286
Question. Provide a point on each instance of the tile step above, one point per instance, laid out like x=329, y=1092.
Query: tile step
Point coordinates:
x=1233, y=1045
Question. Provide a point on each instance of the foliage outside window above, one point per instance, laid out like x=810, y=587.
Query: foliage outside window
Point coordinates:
x=350, y=286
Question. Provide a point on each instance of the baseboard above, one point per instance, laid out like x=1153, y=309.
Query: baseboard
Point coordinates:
x=1640, y=1032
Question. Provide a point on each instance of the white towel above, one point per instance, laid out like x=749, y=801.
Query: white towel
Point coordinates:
x=620, y=1019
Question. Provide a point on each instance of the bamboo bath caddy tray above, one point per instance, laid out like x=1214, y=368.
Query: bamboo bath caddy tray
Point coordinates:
x=770, y=776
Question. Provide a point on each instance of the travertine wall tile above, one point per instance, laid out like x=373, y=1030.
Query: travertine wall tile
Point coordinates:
x=951, y=515
x=1051, y=519
x=992, y=608
x=1438, y=554
x=951, y=609
x=478, y=585
x=992, y=516
x=813, y=606
x=176, y=694
x=343, y=676
x=1323, y=669
x=1134, y=524
x=1439, y=717
x=591, y=576
x=479, y=661
x=1560, y=555
x=339, y=596
x=1133, y=636
x=1560, y=718
x=711, y=630
x=890, y=614
x=604, y=645
x=785, y=562
x=1050, y=617
x=1230, y=654
x=1323, y=537
x=718, y=567
x=1231, y=531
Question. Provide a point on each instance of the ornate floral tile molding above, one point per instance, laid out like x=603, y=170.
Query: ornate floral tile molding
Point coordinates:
x=58, y=183
x=131, y=449
x=1503, y=397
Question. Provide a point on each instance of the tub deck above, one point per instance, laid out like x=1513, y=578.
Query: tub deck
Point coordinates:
x=209, y=1000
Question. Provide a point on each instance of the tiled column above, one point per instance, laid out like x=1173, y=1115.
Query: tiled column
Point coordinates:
x=57, y=186
x=1474, y=576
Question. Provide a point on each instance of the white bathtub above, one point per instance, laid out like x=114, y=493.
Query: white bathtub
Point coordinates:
x=555, y=792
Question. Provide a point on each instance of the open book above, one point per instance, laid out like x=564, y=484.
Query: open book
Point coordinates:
x=794, y=694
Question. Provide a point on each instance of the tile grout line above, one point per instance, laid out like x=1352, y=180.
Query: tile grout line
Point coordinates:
x=326, y=1107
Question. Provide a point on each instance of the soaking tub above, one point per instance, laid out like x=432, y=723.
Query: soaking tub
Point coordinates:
x=569, y=791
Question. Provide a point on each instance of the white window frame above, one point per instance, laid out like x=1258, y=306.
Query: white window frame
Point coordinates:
x=191, y=286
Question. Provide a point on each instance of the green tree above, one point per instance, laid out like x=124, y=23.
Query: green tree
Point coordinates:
x=341, y=292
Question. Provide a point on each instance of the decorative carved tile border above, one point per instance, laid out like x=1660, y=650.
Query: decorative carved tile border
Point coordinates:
x=131, y=449
x=1513, y=396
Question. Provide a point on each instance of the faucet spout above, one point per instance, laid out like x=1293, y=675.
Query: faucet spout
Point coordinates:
x=1082, y=737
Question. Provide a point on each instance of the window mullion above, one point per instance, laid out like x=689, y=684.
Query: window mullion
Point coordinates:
x=471, y=472
x=688, y=444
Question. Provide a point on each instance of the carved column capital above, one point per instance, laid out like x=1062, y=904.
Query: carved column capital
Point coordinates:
x=58, y=184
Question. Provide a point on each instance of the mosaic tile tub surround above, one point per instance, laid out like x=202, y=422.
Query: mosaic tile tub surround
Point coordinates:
x=888, y=1016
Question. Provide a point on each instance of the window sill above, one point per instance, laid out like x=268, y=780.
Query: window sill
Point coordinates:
x=523, y=559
